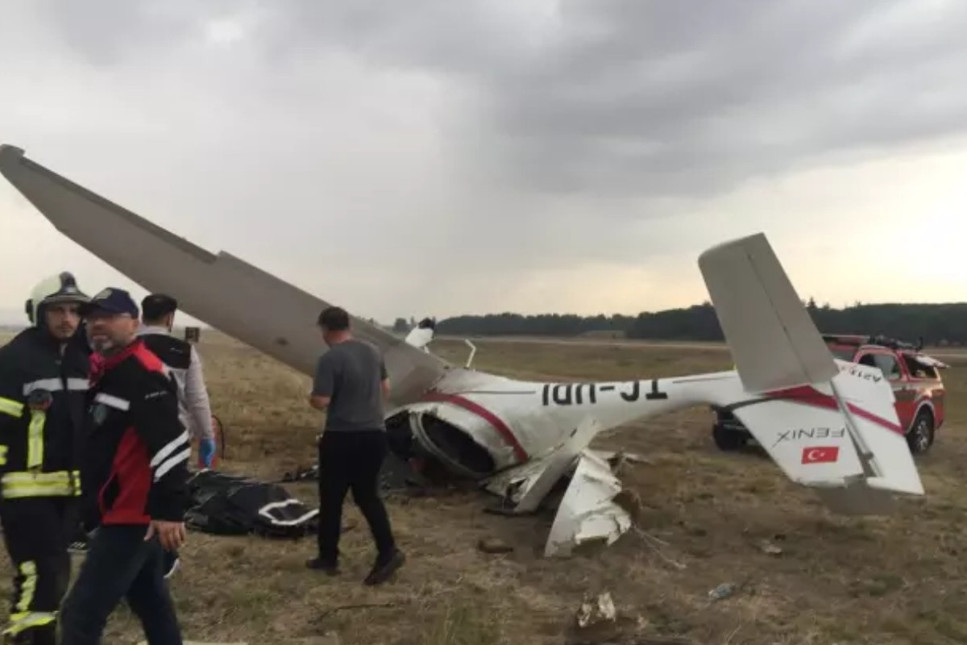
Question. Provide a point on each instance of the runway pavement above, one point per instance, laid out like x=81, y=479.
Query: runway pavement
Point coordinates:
x=938, y=352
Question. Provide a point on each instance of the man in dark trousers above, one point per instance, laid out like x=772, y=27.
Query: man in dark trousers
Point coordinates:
x=349, y=385
x=43, y=384
x=134, y=479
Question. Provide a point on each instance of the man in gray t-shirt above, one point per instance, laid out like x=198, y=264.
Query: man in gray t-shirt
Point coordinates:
x=353, y=375
x=349, y=385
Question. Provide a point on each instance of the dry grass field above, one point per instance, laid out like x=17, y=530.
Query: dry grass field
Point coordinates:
x=837, y=580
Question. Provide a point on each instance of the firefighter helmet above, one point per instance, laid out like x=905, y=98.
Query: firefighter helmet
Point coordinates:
x=54, y=289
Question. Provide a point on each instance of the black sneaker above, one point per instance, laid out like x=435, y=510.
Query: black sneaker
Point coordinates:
x=78, y=546
x=381, y=571
x=318, y=564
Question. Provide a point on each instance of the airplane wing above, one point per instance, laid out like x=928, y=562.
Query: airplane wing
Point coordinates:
x=224, y=291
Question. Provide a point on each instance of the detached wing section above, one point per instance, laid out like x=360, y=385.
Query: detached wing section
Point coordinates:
x=222, y=290
x=587, y=513
x=827, y=424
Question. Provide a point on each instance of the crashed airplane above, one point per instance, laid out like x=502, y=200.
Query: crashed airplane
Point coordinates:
x=518, y=439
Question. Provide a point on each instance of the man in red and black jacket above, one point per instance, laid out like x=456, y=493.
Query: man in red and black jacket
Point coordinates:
x=134, y=481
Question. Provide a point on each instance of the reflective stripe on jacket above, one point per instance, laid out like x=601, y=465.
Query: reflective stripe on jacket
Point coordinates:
x=42, y=408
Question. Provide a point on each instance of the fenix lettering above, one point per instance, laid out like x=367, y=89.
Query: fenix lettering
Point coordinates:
x=811, y=433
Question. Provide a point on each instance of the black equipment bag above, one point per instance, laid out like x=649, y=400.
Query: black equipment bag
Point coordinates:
x=233, y=505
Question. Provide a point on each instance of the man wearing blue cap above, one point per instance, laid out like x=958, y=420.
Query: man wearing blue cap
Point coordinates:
x=134, y=480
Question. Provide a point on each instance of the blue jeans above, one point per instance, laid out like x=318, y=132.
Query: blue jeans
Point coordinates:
x=120, y=564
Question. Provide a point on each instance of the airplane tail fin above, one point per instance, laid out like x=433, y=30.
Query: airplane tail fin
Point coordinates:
x=774, y=341
x=827, y=423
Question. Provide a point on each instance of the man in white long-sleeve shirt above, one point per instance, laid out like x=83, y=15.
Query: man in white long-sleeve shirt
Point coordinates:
x=157, y=318
x=180, y=357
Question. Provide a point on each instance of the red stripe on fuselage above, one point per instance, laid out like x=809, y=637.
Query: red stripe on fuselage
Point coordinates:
x=502, y=428
x=810, y=396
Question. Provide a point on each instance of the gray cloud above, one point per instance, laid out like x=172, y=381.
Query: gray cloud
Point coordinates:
x=112, y=32
x=494, y=137
x=645, y=98
x=693, y=97
x=620, y=97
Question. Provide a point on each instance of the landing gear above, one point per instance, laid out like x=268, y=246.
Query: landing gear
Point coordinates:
x=728, y=433
x=727, y=440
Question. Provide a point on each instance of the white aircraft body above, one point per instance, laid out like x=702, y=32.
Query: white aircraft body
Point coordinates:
x=827, y=424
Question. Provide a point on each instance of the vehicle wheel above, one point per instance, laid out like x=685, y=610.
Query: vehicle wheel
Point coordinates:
x=727, y=440
x=920, y=437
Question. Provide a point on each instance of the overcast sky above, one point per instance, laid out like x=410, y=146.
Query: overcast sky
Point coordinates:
x=472, y=156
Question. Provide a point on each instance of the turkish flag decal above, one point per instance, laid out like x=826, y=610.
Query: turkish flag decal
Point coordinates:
x=820, y=454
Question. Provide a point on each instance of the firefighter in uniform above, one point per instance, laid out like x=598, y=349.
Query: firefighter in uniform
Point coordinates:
x=43, y=386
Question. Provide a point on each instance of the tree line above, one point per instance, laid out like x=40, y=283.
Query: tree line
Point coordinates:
x=936, y=324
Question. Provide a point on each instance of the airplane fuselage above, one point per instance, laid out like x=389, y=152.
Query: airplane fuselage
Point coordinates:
x=479, y=424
